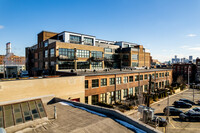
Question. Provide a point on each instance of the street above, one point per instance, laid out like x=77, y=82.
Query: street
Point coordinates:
x=176, y=125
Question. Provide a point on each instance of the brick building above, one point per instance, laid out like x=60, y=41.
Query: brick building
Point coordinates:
x=69, y=51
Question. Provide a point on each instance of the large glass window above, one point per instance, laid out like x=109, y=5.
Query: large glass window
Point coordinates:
x=108, y=50
x=126, y=79
x=52, y=52
x=119, y=80
x=86, y=84
x=65, y=65
x=145, y=88
x=95, y=83
x=108, y=56
x=136, y=90
x=69, y=53
x=75, y=39
x=83, y=65
x=130, y=78
x=97, y=54
x=83, y=53
x=97, y=65
x=134, y=57
x=88, y=41
x=104, y=82
x=112, y=81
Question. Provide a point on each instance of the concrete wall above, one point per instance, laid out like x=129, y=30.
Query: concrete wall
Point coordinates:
x=64, y=87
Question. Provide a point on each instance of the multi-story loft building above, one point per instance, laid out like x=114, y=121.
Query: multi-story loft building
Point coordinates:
x=198, y=70
x=182, y=70
x=69, y=51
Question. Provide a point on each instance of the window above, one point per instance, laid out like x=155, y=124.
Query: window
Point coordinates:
x=125, y=92
x=130, y=91
x=86, y=84
x=136, y=77
x=126, y=45
x=126, y=79
x=136, y=90
x=125, y=57
x=69, y=53
x=162, y=74
x=119, y=80
x=153, y=76
x=159, y=74
x=112, y=81
x=96, y=65
x=141, y=77
x=108, y=50
x=83, y=53
x=162, y=83
x=130, y=78
x=95, y=83
x=46, y=65
x=145, y=88
x=97, y=54
x=134, y=57
x=104, y=82
x=103, y=97
x=83, y=65
x=156, y=75
x=65, y=65
x=45, y=44
x=52, y=52
x=145, y=77
x=46, y=54
x=88, y=41
x=134, y=64
x=118, y=95
x=86, y=100
x=75, y=39
x=108, y=56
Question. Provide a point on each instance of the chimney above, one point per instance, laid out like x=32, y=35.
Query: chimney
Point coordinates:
x=8, y=48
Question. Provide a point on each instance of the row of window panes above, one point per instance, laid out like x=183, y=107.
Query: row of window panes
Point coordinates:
x=118, y=80
x=14, y=114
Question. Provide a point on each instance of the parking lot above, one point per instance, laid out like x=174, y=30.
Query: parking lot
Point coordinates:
x=177, y=125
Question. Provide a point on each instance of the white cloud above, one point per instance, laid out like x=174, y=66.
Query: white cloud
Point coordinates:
x=1, y=26
x=191, y=35
x=194, y=48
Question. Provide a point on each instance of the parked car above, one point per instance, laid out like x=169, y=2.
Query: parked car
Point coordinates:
x=172, y=111
x=162, y=122
x=187, y=101
x=181, y=104
x=196, y=109
x=190, y=115
x=198, y=102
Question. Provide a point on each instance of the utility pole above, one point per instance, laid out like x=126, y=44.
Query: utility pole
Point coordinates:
x=148, y=96
x=188, y=77
x=4, y=71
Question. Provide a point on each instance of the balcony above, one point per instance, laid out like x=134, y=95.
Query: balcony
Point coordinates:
x=97, y=59
x=66, y=58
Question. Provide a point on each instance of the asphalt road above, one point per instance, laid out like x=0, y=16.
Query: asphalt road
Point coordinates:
x=176, y=125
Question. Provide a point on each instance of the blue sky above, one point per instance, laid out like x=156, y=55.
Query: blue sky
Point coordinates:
x=165, y=27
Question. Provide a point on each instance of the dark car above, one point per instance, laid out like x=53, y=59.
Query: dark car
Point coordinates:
x=196, y=109
x=190, y=115
x=162, y=122
x=181, y=104
x=172, y=111
x=187, y=101
x=198, y=102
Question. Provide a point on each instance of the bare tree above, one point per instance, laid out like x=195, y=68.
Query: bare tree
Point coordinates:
x=180, y=80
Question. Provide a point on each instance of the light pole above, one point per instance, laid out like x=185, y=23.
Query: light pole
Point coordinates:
x=193, y=91
x=188, y=77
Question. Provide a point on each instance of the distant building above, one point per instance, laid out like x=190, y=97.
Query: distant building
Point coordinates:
x=181, y=70
x=12, y=63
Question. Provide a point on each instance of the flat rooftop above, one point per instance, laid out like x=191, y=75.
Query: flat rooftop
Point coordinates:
x=74, y=120
x=114, y=71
